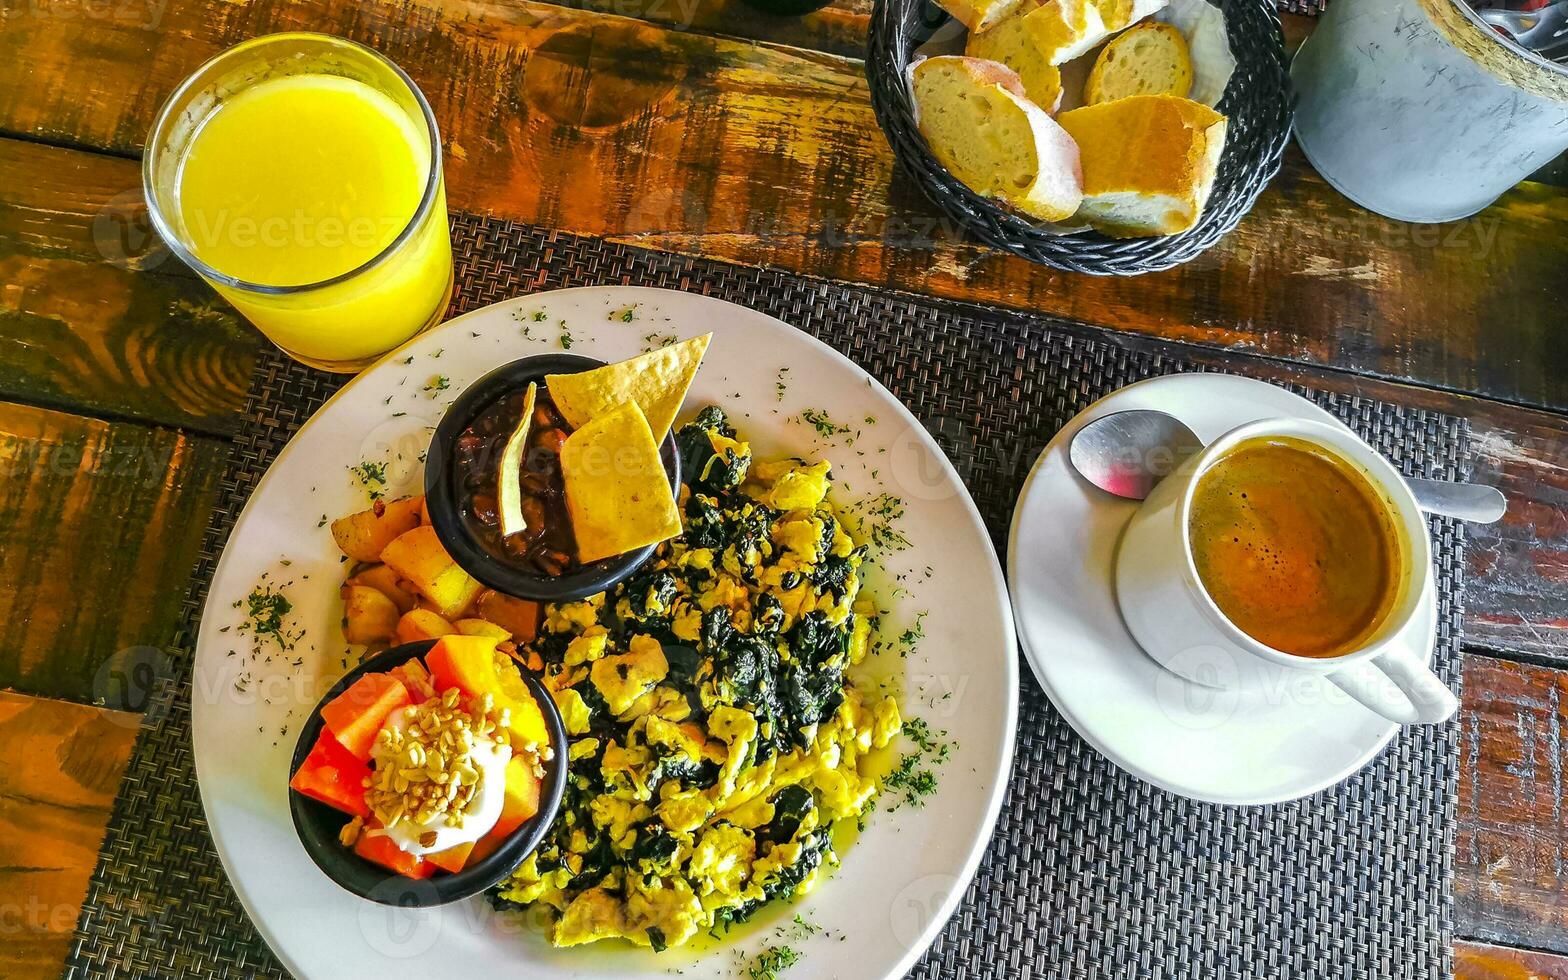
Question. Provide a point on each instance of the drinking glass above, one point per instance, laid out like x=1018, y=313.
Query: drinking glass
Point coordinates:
x=343, y=320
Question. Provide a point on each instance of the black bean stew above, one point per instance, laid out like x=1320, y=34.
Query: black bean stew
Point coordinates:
x=547, y=547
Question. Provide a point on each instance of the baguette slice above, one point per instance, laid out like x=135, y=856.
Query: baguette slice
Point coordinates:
x=975, y=117
x=1148, y=163
x=1018, y=50
x=1150, y=59
x=1053, y=32
x=979, y=15
x=1056, y=31
x=1118, y=14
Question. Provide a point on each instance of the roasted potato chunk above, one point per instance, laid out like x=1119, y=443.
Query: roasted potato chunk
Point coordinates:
x=385, y=581
x=418, y=557
x=519, y=617
x=368, y=615
x=362, y=536
x=422, y=624
x=480, y=627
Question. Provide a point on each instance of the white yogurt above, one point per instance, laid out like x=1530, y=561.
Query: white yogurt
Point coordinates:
x=482, y=812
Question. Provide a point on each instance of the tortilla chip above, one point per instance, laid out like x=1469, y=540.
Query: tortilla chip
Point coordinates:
x=656, y=381
x=509, y=474
x=616, y=489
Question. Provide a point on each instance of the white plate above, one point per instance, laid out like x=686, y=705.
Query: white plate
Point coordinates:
x=898, y=883
x=1262, y=745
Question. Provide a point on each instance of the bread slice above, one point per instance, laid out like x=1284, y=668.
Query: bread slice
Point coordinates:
x=1119, y=14
x=1054, y=31
x=979, y=125
x=1149, y=59
x=1148, y=162
x=979, y=15
x=1018, y=51
x=1043, y=34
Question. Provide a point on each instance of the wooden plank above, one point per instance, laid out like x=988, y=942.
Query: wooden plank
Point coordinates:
x=841, y=27
x=1518, y=592
x=73, y=757
x=57, y=788
x=838, y=28
x=97, y=317
x=758, y=154
x=1478, y=961
x=1511, y=847
x=100, y=526
x=55, y=801
x=1520, y=564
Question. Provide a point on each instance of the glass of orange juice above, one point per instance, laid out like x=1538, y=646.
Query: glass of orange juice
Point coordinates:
x=300, y=175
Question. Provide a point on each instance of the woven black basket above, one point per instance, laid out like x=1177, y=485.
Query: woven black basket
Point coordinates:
x=1257, y=103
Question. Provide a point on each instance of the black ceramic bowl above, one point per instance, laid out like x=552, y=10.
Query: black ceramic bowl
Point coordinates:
x=318, y=825
x=444, y=492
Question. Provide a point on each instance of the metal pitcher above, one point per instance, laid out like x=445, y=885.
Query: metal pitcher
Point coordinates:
x=1418, y=110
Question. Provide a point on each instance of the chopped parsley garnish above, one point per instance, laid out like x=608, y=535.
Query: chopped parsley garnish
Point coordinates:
x=566, y=340
x=625, y=314
x=438, y=383
x=913, y=776
x=266, y=607
x=879, y=514
x=919, y=732
x=772, y=962
x=540, y=316
x=780, y=386
x=373, y=477
x=654, y=341
x=915, y=783
x=825, y=426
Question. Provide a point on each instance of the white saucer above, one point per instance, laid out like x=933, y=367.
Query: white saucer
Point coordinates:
x=1266, y=744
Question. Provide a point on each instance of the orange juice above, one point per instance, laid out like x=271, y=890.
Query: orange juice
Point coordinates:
x=300, y=179
x=312, y=200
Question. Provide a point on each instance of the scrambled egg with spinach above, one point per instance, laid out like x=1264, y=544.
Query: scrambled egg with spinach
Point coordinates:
x=715, y=739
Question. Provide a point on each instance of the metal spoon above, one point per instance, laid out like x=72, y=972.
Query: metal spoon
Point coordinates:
x=1127, y=453
x=1540, y=30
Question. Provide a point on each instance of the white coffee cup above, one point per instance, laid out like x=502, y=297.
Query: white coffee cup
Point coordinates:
x=1171, y=615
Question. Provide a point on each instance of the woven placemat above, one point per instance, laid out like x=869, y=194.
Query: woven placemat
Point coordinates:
x=1091, y=873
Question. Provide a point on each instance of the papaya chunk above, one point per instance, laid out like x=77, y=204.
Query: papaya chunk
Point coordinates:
x=383, y=850
x=522, y=803
x=334, y=776
x=355, y=716
x=468, y=663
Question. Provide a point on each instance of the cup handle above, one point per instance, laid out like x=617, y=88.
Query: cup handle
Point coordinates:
x=1417, y=696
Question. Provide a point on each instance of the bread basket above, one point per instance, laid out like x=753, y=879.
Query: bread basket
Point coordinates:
x=1257, y=102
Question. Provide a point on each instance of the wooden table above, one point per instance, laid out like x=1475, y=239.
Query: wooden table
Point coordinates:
x=702, y=127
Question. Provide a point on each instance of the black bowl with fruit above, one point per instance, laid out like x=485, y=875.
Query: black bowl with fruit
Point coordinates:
x=333, y=765
x=461, y=473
